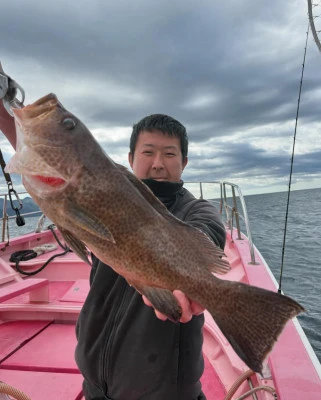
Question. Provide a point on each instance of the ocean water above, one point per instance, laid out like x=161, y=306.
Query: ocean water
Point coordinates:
x=302, y=262
x=302, y=257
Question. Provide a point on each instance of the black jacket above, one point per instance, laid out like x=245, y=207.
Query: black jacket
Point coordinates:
x=124, y=351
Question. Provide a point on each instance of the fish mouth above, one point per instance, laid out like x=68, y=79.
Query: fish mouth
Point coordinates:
x=44, y=185
x=49, y=180
x=42, y=106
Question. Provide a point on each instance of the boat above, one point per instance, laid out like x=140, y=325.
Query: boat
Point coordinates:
x=40, y=304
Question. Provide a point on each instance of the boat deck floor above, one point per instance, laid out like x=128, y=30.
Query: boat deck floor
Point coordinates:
x=39, y=355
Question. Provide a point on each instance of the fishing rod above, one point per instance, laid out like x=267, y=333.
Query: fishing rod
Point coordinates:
x=315, y=33
x=292, y=159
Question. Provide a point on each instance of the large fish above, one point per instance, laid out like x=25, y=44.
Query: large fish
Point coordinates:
x=99, y=205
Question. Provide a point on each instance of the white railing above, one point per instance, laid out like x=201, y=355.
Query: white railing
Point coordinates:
x=231, y=204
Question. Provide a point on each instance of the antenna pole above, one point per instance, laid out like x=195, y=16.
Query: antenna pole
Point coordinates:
x=291, y=169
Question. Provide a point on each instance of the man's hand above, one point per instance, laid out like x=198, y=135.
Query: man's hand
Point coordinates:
x=189, y=308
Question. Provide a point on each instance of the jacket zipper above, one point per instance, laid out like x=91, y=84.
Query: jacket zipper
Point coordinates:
x=106, y=354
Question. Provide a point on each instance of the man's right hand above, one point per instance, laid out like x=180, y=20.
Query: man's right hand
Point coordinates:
x=189, y=308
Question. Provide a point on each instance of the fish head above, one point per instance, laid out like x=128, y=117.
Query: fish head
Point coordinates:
x=52, y=145
x=43, y=122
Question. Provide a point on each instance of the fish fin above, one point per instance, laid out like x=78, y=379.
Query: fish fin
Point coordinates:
x=250, y=318
x=212, y=254
x=13, y=165
x=76, y=245
x=144, y=190
x=88, y=222
x=162, y=300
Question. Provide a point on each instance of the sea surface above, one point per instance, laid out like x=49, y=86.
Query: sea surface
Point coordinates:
x=302, y=258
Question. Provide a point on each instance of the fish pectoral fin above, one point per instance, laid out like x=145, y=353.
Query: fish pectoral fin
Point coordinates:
x=88, y=222
x=144, y=190
x=14, y=166
x=162, y=300
x=76, y=245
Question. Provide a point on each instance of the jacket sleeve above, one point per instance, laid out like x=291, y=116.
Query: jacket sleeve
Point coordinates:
x=203, y=215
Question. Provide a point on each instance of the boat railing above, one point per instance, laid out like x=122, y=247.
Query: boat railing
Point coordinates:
x=231, y=204
x=5, y=217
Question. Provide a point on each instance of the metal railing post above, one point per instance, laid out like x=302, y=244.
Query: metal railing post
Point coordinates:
x=4, y=218
x=237, y=221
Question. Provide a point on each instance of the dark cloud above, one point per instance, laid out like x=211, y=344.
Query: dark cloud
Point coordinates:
x=221, y=68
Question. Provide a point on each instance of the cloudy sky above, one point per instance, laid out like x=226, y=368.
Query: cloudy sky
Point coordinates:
x=230, y=71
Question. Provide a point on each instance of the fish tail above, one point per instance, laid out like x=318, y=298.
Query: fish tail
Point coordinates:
x=251, y=318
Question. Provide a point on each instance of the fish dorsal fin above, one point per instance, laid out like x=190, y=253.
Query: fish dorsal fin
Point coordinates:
x=144, y=190
x=213, y=254
x=88, y=222
x=76, y=245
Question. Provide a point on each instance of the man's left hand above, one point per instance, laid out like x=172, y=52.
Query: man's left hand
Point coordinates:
x=189, y=307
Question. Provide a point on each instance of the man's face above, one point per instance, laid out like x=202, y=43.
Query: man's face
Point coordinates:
x=157, y=156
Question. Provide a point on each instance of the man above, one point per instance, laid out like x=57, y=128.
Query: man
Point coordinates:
x=124, y=351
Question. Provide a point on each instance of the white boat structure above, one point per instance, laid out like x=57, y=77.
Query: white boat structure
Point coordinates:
x=38, y=315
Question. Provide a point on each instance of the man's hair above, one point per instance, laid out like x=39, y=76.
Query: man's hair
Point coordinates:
x=163, y=123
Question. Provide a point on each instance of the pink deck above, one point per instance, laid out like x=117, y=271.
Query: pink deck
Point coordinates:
x=51, y=350
x=38, y=356
x=13, y=334
x=44, y=385
x=78, y=292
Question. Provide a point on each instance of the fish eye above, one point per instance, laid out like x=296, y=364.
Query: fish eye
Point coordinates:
x=69, y=123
